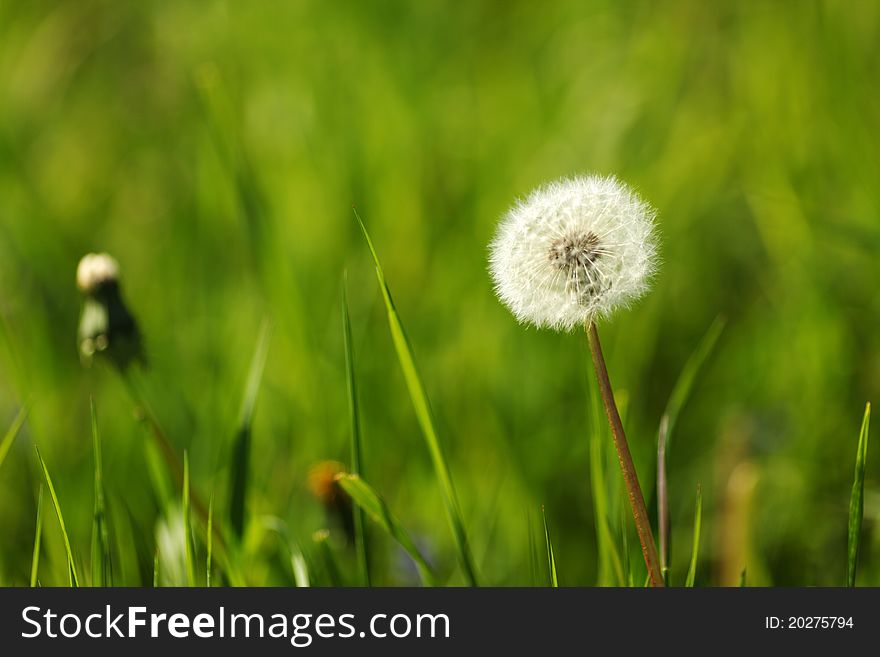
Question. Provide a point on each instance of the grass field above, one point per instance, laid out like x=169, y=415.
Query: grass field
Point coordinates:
x=216, y=149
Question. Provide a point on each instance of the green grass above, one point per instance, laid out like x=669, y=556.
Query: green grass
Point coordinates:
x=857, y=501
x=220, y=166
x=422, y=408
x=73, y=578
x=240, y=455
x=374, y=506
x=38, y=538
x=680, y=394
x=360, y=537
x=695, y=549
x=102, y=569
x=209, y=542
x=685, y=384
x=12, y=432
x=188, y=534
x=551, y=558
x=332, y=571
x=610, y=566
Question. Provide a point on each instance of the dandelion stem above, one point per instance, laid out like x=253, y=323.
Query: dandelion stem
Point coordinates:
x=145, y=414
x=636, y=499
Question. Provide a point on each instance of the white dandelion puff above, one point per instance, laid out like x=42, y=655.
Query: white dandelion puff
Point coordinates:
x=573, y=251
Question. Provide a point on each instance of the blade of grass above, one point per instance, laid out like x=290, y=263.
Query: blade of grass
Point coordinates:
x=695, y=552
x=681, y=391
x=130, y=547
x=608, y=556
x=9, y=438
x=300, y=569
x=742, y=579
x=102, y=573
x=857, y=501
x=156, y=569
x=685, y=383
x=663, y=497
x=73, y=578
x=297, y=561
x=533, y=550
x=187, y=525
x=242, y=446
x=209, y=539
x=321, y=539
x=38, y=537
x=425, y=418
x=360, y=538
x=374, y=506
x=551, y=558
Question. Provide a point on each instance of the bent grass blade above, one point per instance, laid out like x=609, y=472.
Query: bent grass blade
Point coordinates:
x=422, y=409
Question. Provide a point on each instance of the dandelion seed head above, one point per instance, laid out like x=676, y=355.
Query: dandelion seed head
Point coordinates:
x=574, y=251
x=94, y=270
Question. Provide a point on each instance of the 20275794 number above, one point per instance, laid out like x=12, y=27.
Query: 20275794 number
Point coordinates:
x=808, y=623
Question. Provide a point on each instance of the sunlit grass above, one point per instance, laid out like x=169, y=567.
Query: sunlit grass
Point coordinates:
x=221, y=176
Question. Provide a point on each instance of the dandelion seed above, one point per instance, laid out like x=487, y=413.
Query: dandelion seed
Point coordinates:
x=573, y=251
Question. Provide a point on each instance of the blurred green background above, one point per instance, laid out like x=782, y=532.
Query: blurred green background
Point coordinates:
x=216, y=149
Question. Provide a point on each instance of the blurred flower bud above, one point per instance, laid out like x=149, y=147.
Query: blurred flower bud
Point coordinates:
x=324, y=486
x=105, y=325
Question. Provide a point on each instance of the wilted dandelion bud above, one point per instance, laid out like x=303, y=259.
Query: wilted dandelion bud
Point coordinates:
x=573, y=251
x=105, y=326
x=324, y=485
x=96, y=270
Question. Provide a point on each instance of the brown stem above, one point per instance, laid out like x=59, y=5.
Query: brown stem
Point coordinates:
x=636, y=499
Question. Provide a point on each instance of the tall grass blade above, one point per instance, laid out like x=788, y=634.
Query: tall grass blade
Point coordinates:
x=102, y=571
x=857, y=501
x=695, y=552
x=209, y=539
x=187, y=526
x=73, y=578
x=376, y=509
x=300, y=569
x=360, y=538
x=533, y=551
x=680, y=394
x=156, y=569
x=9, y=438
x=130, y=547
x=242, y=446
x=38, y=537
x=663, y=497
x=551, y=557
x=425, y=418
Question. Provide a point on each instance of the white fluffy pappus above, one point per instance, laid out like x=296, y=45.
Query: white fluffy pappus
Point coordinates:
x=573, y=251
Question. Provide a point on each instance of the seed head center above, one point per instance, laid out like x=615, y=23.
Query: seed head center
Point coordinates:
x=572, y=252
